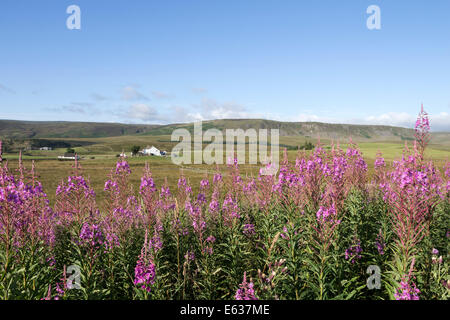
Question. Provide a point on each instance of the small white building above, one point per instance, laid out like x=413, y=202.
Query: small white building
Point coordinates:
x=153, y=151
x=69, y=156
x=46, y=148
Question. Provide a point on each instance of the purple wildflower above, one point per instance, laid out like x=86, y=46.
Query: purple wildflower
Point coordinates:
x=249, y=229
x=354, y=252
x=91, y=235
x=144, y=272
x=407, y=291
x=246, y=291
x=379, y=243
x=122, y=167
x=189, y=256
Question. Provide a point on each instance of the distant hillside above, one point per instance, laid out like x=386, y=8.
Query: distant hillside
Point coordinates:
x=34, y=129
x=311, y=130
x=61, y=129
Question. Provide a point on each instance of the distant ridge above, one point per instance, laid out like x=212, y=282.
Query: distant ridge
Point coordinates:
x=17, y=129
x=66, y=129
x=312, y=130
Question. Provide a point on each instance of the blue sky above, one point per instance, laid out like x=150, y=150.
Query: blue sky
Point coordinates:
x=178, y=61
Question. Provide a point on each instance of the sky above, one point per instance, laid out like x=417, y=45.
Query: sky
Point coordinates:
x=172, y=61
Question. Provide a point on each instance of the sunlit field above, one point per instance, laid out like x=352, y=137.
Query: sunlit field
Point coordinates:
x=97, y=165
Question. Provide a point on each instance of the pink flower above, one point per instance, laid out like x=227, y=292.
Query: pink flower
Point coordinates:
x=246, y=290
x=407, y=291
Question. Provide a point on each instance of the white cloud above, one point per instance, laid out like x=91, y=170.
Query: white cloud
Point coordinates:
x=438, y=122
x=210, y=109
x=142, y=112
x=307, y=117
x=392, y=119
x=401, y=119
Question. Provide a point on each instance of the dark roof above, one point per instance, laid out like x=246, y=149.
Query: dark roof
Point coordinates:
x=69, y=154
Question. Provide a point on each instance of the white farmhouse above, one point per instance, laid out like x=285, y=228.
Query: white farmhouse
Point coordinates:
x=153, y=151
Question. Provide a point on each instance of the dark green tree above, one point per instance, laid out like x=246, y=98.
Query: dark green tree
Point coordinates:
x=135, y=149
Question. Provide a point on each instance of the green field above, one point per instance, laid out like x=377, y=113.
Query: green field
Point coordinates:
x=99, y=156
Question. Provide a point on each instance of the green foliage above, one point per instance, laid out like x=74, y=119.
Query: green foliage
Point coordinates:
x=307, y=146
x=135, y=149
x=284, y=259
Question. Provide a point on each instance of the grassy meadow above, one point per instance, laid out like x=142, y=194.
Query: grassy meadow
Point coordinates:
x=99, y=156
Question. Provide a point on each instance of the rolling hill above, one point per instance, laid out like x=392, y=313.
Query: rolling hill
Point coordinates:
x=13, y=129
x=312, y=130
x=65, y=129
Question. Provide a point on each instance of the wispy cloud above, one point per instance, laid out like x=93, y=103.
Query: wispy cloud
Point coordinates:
x=67, y=108
x=76, y=107
x=162, y=95
x=304, y=117
x=141, y=111
x=6, y=89
x=149, y=114
x=130, y=93
x=207, y=109
x=82, y=104
x=98, y=97
x=199, y=90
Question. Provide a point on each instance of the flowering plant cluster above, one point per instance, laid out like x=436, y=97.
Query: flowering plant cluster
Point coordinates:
x=308, y=232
